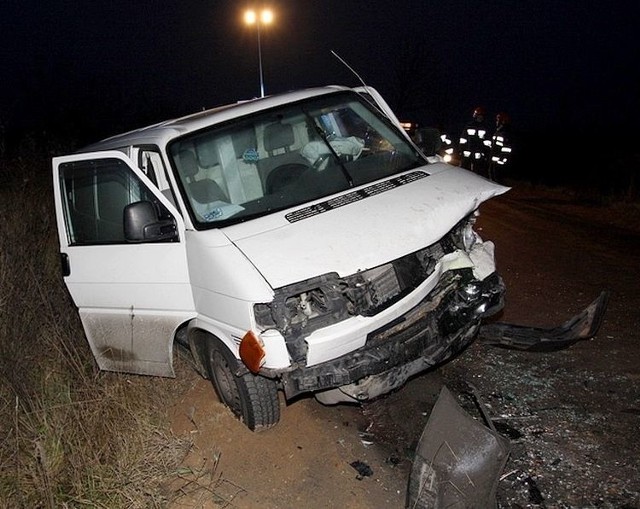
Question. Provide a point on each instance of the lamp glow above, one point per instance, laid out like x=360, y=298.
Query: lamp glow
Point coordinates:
x=259, y=19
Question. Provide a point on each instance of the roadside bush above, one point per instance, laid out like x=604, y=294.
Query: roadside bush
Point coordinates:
x=70, y=435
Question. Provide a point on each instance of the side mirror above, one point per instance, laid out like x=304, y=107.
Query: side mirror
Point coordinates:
x=428, y=139
x=141, y=224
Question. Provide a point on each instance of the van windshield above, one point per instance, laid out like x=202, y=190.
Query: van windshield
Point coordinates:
x=286, y=157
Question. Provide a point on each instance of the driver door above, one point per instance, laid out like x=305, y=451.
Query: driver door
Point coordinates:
x=131, y=297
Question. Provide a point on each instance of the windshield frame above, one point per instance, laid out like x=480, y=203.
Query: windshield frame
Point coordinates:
x=230, y=160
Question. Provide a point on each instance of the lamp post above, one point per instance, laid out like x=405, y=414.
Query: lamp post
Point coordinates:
x=264, y=17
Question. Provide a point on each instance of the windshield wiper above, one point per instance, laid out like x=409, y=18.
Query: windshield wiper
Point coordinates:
x=323, y=135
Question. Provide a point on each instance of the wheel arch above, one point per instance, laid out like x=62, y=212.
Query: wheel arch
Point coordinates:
x=253, y=399
x=198, y=338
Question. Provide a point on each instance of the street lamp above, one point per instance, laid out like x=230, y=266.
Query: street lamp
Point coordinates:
x=264, y=17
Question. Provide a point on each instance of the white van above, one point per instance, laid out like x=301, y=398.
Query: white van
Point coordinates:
x=297, y=243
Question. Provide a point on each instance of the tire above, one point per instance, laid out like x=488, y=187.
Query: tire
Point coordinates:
x=253, y=399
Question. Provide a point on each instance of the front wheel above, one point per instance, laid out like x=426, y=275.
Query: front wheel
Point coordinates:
x=253, y=399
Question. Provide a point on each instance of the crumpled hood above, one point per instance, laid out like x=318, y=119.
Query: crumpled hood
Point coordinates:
x=365, y=233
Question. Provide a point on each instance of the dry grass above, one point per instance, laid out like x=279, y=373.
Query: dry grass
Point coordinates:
x=70, y=436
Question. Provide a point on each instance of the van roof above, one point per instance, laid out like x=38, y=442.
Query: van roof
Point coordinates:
x=161, y=133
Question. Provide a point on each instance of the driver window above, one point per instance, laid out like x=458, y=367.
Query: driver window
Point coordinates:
x=94, y=194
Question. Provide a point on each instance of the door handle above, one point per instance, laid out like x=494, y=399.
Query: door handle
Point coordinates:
x=64, y=263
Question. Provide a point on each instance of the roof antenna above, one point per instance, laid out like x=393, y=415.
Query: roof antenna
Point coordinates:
x=368, y=96
x=350, y=68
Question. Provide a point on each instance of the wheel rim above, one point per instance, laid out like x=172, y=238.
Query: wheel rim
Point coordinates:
x=225, y=381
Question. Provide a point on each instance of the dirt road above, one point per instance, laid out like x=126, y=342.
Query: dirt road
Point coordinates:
x=572, y=416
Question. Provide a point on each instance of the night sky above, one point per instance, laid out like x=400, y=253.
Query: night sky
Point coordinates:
x=103, y=67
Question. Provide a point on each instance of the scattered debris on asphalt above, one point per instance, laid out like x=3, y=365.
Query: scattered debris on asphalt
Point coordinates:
x=362, y=468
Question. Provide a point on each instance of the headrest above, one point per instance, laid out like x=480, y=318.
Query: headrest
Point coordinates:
x=188, y=163
x=207, y=154
x=243, y=141
x=277, y=136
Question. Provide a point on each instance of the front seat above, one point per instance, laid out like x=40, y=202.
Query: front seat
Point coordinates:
x=283, y=165
x=204, y=190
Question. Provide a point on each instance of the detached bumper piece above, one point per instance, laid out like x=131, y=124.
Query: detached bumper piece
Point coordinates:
x=584, y=325
x=458, y=461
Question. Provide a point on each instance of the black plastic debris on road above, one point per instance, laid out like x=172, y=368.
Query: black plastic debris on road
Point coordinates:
x=535, y=497
x=362, y=468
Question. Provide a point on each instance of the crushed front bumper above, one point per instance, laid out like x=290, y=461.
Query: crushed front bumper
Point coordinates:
x=440, y=326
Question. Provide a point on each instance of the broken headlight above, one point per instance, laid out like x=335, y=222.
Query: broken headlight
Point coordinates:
x=318, y=300
x=463, y=235
x=328, y=299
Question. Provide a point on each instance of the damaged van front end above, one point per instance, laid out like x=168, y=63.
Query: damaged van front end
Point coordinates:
x=455, y=284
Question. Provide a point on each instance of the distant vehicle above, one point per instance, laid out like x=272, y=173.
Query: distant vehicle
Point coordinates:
x=297, y=243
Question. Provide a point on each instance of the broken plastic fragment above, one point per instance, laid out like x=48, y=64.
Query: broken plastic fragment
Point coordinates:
x=362, y=468
x=458, y=461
